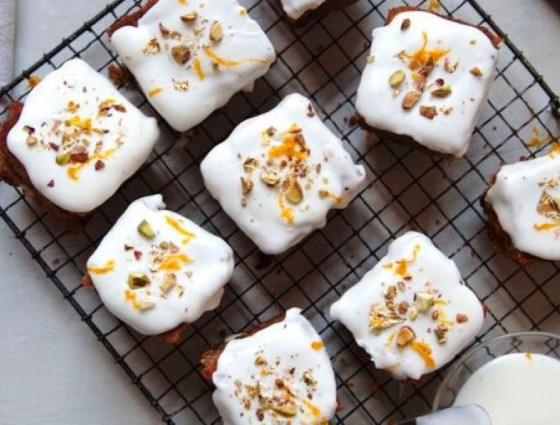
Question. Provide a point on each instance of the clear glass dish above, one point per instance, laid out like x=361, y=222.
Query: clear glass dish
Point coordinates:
x=523, y=342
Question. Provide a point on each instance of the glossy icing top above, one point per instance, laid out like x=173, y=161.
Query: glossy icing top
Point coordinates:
x=191, y=57
x=411, y=312
x=79, y=139
x=427, y=78
x=155, y=269
x=278, y=174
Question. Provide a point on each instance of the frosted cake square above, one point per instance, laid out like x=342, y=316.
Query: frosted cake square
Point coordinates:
x=191, y=57
x=278, y=175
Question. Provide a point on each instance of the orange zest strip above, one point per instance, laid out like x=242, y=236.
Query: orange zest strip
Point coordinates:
x=317, y=345
x=286, y=213
x=402, y=265
x=74, y=172
x=107, y=268
x=545, y=227
x=425, y=351
x=197, y=66
x=217, y=59
x=174, y=263
x=422, y=55
x=180, y=229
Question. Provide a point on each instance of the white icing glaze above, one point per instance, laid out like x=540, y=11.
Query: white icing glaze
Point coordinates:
x=295, y=9
x=381, y=105
x=55, y=116
x=516, y=389
x=186, y=94
x=413, y=268
x=515, y=198
x=461, y=415
x=291, y=351
x=265, y=214
x=193, y=263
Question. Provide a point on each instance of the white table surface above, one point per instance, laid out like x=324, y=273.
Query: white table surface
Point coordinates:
x=52, y=370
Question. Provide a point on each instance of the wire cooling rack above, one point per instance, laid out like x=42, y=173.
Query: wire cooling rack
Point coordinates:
x=408, y=189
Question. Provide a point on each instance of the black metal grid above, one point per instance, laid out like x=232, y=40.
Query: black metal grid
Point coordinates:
x=407, y=189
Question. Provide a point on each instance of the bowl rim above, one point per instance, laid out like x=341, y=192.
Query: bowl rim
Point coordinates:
x=473, y=350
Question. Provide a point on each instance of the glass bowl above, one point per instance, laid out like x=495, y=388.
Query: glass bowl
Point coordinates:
x=523, y=342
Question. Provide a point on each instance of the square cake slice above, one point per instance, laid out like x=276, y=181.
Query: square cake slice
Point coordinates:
x=278, y=175
x=191, y=57
x=279, y=374
x=412, y=312
x=75, y=140
x=523, y=206
x=156, y=270
x=427, y=79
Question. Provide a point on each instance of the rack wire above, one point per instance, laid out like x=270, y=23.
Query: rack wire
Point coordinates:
x=407, y=189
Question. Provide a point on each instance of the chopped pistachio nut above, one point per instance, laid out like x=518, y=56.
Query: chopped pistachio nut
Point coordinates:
x=370, y=59
x=31, y=141
x=270, y=131
x=379, y=320
x=152, y=48
x=294, y=192
x=308, y=379
x=442, y=91
x=246, y=185
x=250, y=164
x=146, y=230
x=412, y=313
x=169, y=282
x=405, y=24
x=476, y=71
x=180, y=85
x=62, y=158
x=146, y=305
x=405, y=336
x=138, y=280
x=260, y=361
x=270, y=178
x=216, y=32
x=411, y=99
x=549, y=206
x=423, y=301
x=441, y=332
x=397, y=79
x=428, y=112
x=189, y=17
x=181, y=54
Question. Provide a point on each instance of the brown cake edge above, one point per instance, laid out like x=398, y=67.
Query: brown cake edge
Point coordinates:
x=132, y=19
x=171, y=337
x=13, y=172
x=209, y=358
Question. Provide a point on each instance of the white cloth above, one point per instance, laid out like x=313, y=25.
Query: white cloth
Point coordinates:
x=7, y=26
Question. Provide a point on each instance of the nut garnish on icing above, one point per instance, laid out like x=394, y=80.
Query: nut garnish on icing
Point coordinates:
x=274, y=376
x=196, y=44
x=156, y=277
x=412, y=312
x=279, y=173
x=431, y=98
